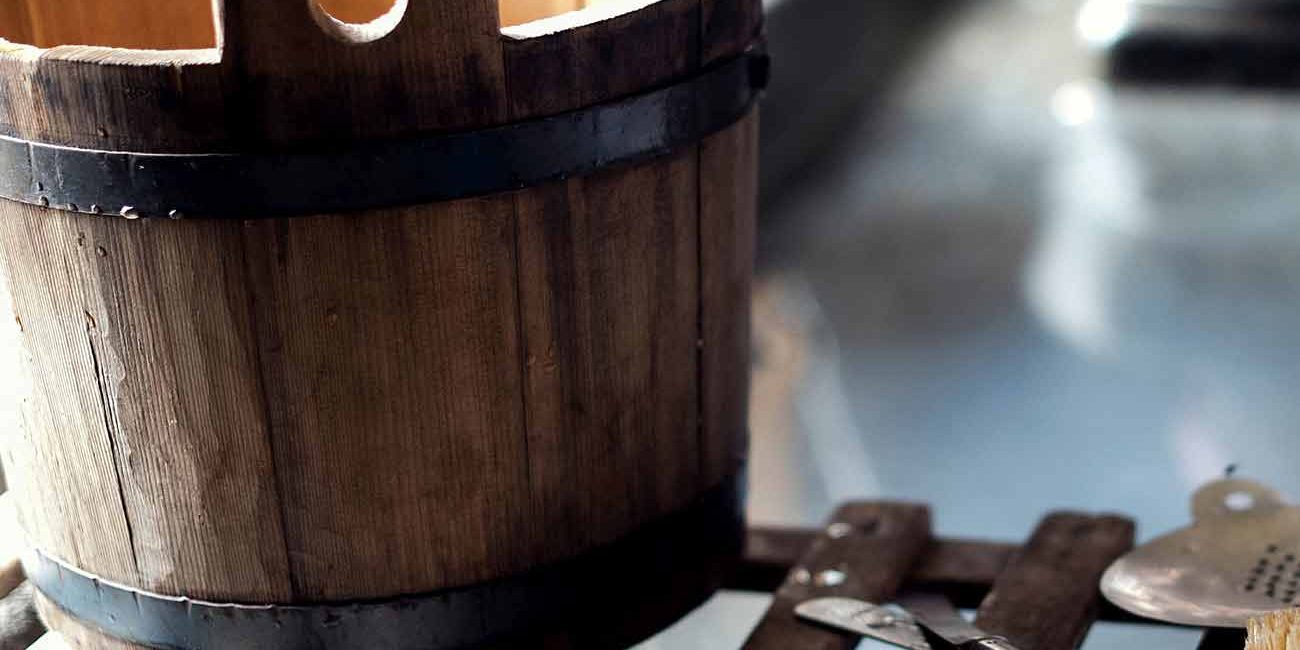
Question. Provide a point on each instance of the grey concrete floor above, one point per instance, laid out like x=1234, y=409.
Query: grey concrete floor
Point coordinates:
x=1015, y=289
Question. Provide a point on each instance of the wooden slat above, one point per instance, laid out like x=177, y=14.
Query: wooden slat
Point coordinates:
x=440, y=68
x=963, y=561
x=963, y=570
x=158, y=313
x=608, y=274
x=391, y=367
x=67, y=488
x=728, y=213
x=873, y=557
x=1047, y=599
x=570, y=68
x=728, y=26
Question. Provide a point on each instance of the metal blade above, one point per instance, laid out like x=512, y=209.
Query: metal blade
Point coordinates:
x=865, y=619
x=937, y=614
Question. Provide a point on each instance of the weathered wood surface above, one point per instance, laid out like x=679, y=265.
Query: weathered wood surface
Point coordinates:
x=1048, y=597
x=963, y=570
x=556, y=71
x=609, y=323
x=396, y=401
x=868, y=556
x=283, y=79
x=728, y=204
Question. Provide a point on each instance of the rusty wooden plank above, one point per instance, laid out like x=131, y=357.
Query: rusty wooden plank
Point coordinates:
x=866, y=552
x=1048, y=597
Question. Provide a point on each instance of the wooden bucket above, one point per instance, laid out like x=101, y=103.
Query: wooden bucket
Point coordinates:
x=419, y=333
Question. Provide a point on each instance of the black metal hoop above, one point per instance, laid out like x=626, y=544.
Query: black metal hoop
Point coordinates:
x=383, y=174
x=682, y=555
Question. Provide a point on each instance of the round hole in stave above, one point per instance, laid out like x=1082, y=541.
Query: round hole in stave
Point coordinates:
x=359, y=21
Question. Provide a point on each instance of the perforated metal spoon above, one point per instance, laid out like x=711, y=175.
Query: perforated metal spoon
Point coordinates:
x=1239, y=559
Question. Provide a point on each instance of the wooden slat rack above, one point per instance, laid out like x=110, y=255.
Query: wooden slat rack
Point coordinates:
x=1042, y=595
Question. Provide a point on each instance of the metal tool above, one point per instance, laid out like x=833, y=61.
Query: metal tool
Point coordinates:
x=902, y=624
x=940, y=618
x=1238, y=560
x=883, y=623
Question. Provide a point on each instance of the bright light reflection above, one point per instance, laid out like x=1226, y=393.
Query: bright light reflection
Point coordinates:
x=1101, y=22
x=1074, y=103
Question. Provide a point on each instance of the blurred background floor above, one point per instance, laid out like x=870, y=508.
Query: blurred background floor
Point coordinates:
x=1008, y=288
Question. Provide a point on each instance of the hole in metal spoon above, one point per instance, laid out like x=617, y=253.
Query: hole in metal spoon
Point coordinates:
x=1240, y=502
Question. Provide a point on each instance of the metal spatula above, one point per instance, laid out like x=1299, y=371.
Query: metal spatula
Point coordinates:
x=1241, y=558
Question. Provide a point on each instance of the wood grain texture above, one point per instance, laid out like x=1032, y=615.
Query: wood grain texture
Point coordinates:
x=963, y=570
x=728, y=214
x=727, y=26
x=283, y=78
x=965, y=561
x=589, y=64
x=301, y=80
x=139, y=24
x=389, y=351
x=608, y=274
x=67, y=487
x=15, y=24
x=116, y=105
x=886, y=541
x=158, y=313
x=342, y=407
x=1048, y=597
